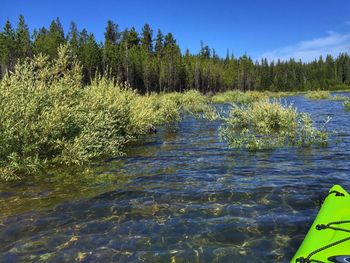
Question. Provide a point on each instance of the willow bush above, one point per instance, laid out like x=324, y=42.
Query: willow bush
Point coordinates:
x=339, y=97
x=236, y=96
x=269, y=124
x=192, y=101
x=280, y=94
x=318, y=95
x=347, y=105
x=48, y=118
x=239, y=97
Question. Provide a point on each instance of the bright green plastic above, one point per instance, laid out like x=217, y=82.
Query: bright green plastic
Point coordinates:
x=334, y=208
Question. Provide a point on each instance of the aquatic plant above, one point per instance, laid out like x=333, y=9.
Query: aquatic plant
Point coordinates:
x=269, y=124
x=347, y=105
x=238, y=97
x=318, y=94
x=280, y=94
x=339, y=97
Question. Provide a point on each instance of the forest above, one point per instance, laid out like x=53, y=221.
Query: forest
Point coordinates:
x=153, y=62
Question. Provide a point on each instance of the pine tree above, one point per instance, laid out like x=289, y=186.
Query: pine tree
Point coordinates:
x=245, y=75
x=54, y=38
x=40, y=41
x=169, y=40
x=23, y=39
x=73, y=39
x=205, y=51
x=330, y=67
x=132, y=38
x=7, y=48
x=90, y=55
x=159, y=43
x=112, y=34
x=110, y=49
x=146, y=38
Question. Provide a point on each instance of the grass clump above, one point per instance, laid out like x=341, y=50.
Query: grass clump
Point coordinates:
x=318, y=95
x=269, y=124
x=238, y=97
x=339, y=98
x=47, y=118
x=280, y=94
x=347, y=105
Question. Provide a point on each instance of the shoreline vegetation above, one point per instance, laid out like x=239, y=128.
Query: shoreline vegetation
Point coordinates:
x=49, y=118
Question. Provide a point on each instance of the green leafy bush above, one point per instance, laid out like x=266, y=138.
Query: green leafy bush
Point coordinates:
x=192, y=101
x=48, y=118
x=238, y=97
x=280, y=94
x=339, y=97
x=347, y=105
x=267, y=125
x=318, y=95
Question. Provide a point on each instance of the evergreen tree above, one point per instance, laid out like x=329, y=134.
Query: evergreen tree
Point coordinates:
x=159, y=43
x=132, y=38
x=54, y=38
x=73, y=39
x=205, y=51
x=7, y=48
x=169, y=40
x=110, y=49
x=146, y=38
x=23, y=39
x=245, y=73
x=90, y=55
x=112, y=34
x=40, y=41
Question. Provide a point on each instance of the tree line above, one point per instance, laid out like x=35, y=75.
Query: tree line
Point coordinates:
x=153, y=62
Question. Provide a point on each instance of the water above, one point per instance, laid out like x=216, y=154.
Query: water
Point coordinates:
x=179, y=196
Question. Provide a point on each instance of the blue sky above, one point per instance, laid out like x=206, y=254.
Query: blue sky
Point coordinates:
x=276, y=29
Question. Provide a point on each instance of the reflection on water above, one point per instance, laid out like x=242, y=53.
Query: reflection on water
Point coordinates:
x=178, y=196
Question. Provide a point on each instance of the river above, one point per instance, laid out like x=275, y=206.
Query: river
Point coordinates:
x=179, y=196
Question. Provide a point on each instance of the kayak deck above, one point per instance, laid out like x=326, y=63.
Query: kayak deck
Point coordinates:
x=329, y=235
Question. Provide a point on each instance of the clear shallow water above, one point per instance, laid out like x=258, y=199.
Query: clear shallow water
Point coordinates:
x=179, y=196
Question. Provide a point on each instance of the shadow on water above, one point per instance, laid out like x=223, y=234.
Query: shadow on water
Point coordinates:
x=178, y=196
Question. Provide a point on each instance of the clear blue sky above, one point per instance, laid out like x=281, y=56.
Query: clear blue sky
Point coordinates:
x=277, y=29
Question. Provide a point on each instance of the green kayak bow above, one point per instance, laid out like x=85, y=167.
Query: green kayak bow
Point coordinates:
x=328, y=239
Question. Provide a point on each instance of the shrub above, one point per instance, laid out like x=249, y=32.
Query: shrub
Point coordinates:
x=347, y=105
x=339, y=97
x=280, y=94
x=238, y=97
x=318, y=95
x=192, y=101
x=48, y=118
x=154, y=109
x=267, y=125
x=37, y=109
